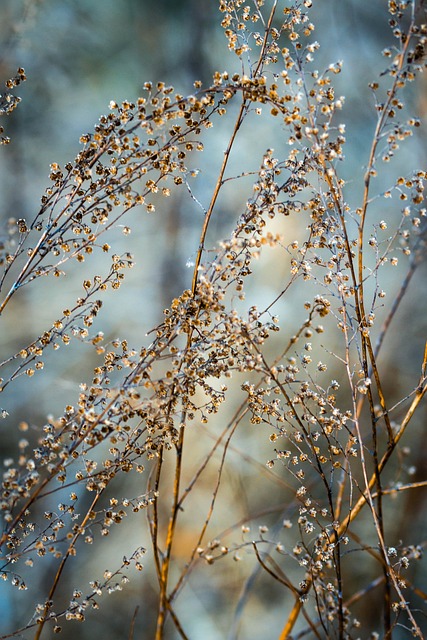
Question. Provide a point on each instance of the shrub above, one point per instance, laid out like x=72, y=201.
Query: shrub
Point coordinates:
x=160, y=425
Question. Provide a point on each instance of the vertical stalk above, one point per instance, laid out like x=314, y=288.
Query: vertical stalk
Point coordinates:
x=166, y=558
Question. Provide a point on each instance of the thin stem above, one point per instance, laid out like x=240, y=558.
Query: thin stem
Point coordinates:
x=62, y=565
x=163, y=598
x=218, y=185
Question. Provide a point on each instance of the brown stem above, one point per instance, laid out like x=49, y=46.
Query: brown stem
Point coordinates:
x=166, y=558
x=164, y=602
x=217, y=189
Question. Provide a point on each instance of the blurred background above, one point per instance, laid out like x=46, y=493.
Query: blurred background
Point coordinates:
x=78, y=56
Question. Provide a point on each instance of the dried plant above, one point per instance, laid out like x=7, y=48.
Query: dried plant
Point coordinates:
x=337, y=444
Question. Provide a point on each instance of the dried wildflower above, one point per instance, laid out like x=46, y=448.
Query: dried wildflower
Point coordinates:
x=131, y=414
